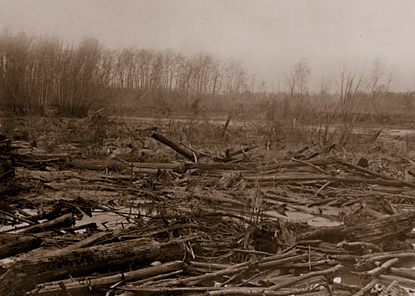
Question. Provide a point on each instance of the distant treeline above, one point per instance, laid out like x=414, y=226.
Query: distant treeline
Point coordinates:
x=42, y=73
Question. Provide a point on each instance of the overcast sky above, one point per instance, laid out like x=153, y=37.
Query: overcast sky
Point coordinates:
x=268, y=36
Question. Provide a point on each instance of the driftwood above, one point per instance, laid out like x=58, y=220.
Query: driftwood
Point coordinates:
x=403, y=272
x=376, y=231
x=76, y=246
x=263, y=291
x=17, y=218
x=88, y=285
x=298, y=179
x=175, y=146
x=84, y=261
x=366, y=288
x=367, y=260
x=362, y=170
x=388, y=289
x=63, y=221
x=291, y=281
x=13, y=244
x=96, y=164
x=217, y=291
x=401, y=280
x=220, y=230
x=378, y=270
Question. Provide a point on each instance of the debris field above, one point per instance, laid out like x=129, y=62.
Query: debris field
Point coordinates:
x=145, y=213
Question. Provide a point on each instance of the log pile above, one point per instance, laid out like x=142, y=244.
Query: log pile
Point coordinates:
x=202, y=225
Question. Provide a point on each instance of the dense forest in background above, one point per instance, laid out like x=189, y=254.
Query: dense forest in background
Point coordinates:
x=42, y=75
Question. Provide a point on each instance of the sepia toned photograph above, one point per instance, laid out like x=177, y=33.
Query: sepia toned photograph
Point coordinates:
x=207, y=147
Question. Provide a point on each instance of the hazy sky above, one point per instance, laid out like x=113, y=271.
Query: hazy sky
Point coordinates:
x=268, y=36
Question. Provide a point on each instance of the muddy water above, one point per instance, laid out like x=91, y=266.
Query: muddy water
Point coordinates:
x=393, y=132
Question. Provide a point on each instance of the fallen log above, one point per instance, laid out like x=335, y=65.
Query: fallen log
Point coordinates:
x=89, y=285
x=150, y=280
x=62, y=221
x=408, y=283
x=83, y=243
x=368, y=259
x=361, y=169
x=17, y=218
x=190, y=281
x=375, y=231
x=344, y=179
x=403, y=272
x=13, y=244
x=378, y=270
x=175, y=146
x=296, y=279
x=218, y=291
x=217, y=196
x=123, y=255
x=97, y=164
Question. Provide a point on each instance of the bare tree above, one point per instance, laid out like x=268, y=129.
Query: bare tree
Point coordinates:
x=297, y=79
x=216, y=77
x=235, y=78
x=379, y=86
x=350, y=82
